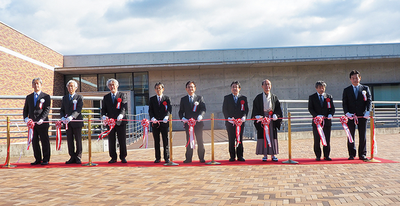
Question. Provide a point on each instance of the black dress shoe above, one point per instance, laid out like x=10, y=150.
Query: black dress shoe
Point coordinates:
x=231, y=159
x=124, y=160
x=351, y=158
x=156, y=161
x=327, y=158
x=187, y=161
x=112, y=161
x=318, y=159
x=241, y=159
x=44, y=163
x=166, y=161
x=274, y=159
x=363, y=158
x=202, y=161
x=35, y=163
x=78, y=161
x=70, y=161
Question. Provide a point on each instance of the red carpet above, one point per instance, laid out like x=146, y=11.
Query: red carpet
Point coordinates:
x=302, y=161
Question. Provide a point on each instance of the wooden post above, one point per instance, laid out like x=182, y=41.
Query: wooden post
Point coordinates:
x=290, y=161
x=372, y=129
x=7, y=164
x=212, y=143
x=170, y=163
x=90, y=143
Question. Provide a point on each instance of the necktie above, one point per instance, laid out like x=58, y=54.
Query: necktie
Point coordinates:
x=35, y=99
x=70, y=97
x=159, y=100
x=356, y=91
x=321, y=100
x=113, y=98
x=191, y=100
x=235, y=99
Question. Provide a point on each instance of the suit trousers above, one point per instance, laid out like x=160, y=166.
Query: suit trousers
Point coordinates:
x=120, y=131
x=43, y=132
x=198, y=131
x=238, y=151
x=163, y=129
x=74, y=133
x=362, y=131
x=317, y=139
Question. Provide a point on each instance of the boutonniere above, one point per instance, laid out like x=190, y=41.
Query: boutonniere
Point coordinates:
x=165, y=105
x=364, y=93
x=119, y=100
x=41, y=103
x=328, y=102
x=74, y=101
x=195, y=106
x=242, y=105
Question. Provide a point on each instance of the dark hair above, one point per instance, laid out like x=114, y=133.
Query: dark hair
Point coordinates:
x=262, y=83
x=158, y=84
x=190, y=82
x=354, y=72
x=236, y=82
x=320, y=82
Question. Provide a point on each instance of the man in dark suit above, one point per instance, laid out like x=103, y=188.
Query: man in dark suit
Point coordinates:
x=71, y=109
x=36, y=109
x=321, y=104
x=193, y=106
x=264, y=104
x=159, y=111
x=357, y=101
x=235, y=106
x=115, y=106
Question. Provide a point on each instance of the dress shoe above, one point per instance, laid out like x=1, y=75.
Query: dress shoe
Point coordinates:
x=35, y=163
x=187, y=161
x=274, y=159
x=112, y=161
x=44, y=163
x=78, y=161
x=202, y=161
x=264, y=159
x=167, y=161
x=156, y=161
x=124, y=160
x=241, y=159
x=363, y=158
x=231, y=159
x=318, y=159
x=70, y=161
x=327, y=158
x=351, y=158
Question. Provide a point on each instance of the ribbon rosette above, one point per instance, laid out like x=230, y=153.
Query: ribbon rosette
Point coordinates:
x=364, y=93
x=238, y=123
x=270, y=113
x=265, y=123
x=195, y=106
x=111, y=123
x=165, y=105
x=191, y=122
x=242, y=105
x=318, y=121
x=30, y=126
x=58, y=135
x=75, y=102
x=119, y=100
x=41, y=103
x=145, y=124
x=344, y=120
x=328, y=102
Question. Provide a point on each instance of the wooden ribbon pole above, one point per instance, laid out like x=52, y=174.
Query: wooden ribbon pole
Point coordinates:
x=290, y=161
x=90, y=143
x=372, y=130
x=213, y=162
x=170, y=163
x=7, y=164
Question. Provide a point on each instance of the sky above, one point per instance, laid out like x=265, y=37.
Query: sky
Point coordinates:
x=76, y=27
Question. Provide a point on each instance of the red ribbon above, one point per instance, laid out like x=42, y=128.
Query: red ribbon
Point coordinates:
x=145, y=124
x=242, y=103
x=30, y=126
x=374, y=145
x=364, y=93
x=318, y=121
x=195, y=106
x=41, y=103
x=328, y=102
x=165, y=105
x=238, y=123
x=191, y=122
x=344, y=120
x=111, y=123
x=265, y=123
x=58, y=135
x=119, y=100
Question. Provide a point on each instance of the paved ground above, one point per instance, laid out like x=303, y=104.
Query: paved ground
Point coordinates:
x=326, y=184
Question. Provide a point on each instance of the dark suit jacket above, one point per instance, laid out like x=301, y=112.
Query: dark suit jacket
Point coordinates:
x=230, y=109
x=34, y=112
x=258, y=109
x=186, y=110
x=353, y=105
x=67, y=109
x=159, y=111
x=314, y=105
x=109, y=108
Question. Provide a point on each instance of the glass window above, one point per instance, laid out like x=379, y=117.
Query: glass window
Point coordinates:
x=385, y=92
x=141, y=83
x=70, y=77
x=102, y=81
x=88, y=83
x=141, y=100
x=125, y=81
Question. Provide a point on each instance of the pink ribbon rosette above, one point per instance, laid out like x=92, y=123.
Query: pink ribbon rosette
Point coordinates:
x=165, y=105
x=265, y=123
x=58, y=135
x=111, y=123
x=119, y=100
x=145, y=124
x=30, y=126
x=41, y=103
x=238, y=123
x=195, y=106
x=364, y=93
x=75, y=102
x=344, y=120
x=191, y=122
x=242, y=105
x=328, y=102
x=318, y=122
